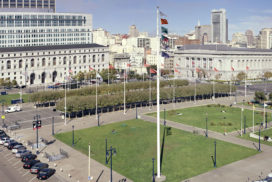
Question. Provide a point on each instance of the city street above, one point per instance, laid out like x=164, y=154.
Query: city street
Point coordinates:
x=26, y=116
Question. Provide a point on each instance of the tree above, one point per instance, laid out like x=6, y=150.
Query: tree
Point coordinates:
x=14, y=82
x=241, y=76
x=259, y=96
x=267, y=75
x=270, y=96
x=80, y=76
x=108, y=74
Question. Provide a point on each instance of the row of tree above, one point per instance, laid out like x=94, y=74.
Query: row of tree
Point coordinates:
x=7, y=83
x=81, y=103
x=47, y=96
x=260, y=97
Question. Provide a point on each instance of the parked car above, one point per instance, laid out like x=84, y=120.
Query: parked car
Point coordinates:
x=29, y=164
x=21, y=153
x=6, y=143
x=37, y=167
x=28, y=157
x=11, y=145
x=16, y=148
x=11, y=109
x=3, y=140
x=14, y=127
x=45, y=173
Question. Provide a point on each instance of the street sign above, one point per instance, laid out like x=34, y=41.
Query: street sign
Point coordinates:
x=3, y=117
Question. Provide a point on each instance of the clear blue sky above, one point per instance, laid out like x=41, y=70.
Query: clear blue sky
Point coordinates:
x=117, y=15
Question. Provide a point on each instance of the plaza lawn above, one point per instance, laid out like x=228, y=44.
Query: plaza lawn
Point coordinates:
x=185, y=154
x=10, y=97
x=220, y=119
x=267, y=132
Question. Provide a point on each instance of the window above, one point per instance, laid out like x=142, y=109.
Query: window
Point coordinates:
x=43, y=62
x=103, y=57
x=20, y=63
x=75, y=60
x=84, y=59
x=8, y=64
x=54, y=61
x=93, y=58
x=64, y=60
x=32, y=63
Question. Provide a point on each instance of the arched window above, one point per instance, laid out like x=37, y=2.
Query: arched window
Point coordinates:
x=64, y=60
x=93, y=58
x=54, y=61
x=103, y=57
x=8, y=64
x=84, y=59
x=32, y=63
x=75, y=60
x=20, y=63
x=43, y=62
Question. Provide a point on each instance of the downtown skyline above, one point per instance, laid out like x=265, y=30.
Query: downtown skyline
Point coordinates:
x=116, y=16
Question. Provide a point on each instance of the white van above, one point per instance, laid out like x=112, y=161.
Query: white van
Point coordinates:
x=11, y=109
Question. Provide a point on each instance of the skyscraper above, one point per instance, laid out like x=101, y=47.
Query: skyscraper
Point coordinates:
x=219, y=26
x=26, y=5
x=133, y=32
x=250, y=38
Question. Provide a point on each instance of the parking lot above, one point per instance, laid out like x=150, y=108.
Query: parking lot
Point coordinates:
x=25, y=117
x=11, y=168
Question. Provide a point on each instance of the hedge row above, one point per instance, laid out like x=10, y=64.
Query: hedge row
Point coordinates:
x=48, y=96
x=81, y=103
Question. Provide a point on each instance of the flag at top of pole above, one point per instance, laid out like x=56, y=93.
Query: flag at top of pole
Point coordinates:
x=162, y=14
x=232, y=68
x=90, y=68
x=216, y=70
x=247, y=68
x=164, y=21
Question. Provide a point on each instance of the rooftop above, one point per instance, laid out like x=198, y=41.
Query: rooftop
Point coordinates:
x=221, y=48
x=53, y=47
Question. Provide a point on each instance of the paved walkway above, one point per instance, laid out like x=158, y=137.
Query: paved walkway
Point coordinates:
x=79, y=170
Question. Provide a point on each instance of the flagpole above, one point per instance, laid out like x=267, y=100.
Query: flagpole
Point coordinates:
x=125, y=91
x=174, y=90
x=96, y=104
x=213, y=91
x=89, y=166
x=253, y=119
x=158, y=99
x=65, y=103
x=149, y=88
x=245, y=84
x=108, y=78
x=195, y=92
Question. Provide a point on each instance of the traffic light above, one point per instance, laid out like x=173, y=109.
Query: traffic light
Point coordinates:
x=39, y=124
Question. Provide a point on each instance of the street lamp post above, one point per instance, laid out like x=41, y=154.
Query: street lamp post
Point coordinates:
x=136, y=112
x=153, y=174
x=244, y=124
x=164, y=115
x=214, y=157
x=98, y=119
x=36, y=120
x=261, y=124
x=109, y=154
x=73, y=135
x=53, y=133
x=242, y=110
x=206, y=124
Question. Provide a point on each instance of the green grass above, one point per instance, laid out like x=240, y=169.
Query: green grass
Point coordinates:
x=219, y=121
x=267, y=132
x=185, y=155
x=10, y=97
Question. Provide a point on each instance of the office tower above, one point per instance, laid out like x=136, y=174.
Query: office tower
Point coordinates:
x=28, y=5
x=219, y=25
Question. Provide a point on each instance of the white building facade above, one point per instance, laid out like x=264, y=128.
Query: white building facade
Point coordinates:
x=50, y=64
x=23, y=29
x=218, y=60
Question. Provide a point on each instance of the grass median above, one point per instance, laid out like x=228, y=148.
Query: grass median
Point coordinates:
x=266, y=132
x=220, y=118
x=7, y=98
x=185, y=154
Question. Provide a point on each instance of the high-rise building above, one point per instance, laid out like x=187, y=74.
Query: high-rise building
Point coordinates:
x=28, y=5
x=133, y=32
x=19, y=29
x=203, y=33
x=250, y=38
x=265, y=39
x=219, y=27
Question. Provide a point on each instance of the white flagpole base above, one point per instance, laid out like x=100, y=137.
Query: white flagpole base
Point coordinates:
x=161, y=179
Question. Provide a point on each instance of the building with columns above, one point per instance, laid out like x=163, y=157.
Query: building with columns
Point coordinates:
x=209, y=58
x=50, y=64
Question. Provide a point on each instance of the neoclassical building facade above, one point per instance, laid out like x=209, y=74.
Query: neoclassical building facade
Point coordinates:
x=51, y=64
x=221, y=61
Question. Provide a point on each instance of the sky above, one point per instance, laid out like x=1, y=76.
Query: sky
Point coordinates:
x=116, y=16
